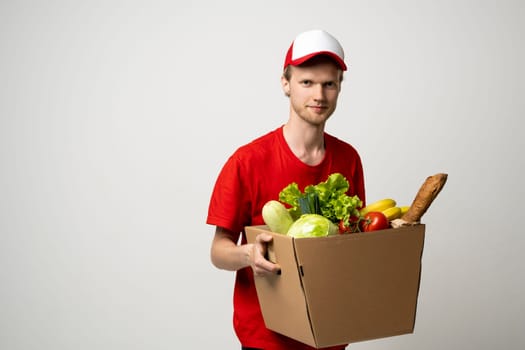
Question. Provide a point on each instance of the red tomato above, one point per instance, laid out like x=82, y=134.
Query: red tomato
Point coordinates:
x=374, y=221
x=352, y=225
x=342, y=227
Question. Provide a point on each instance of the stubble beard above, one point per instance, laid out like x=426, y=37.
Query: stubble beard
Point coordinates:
x=312, y=119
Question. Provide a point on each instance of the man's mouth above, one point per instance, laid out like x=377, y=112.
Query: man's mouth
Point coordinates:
x=318, y=108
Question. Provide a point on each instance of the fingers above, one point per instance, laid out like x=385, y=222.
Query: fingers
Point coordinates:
x=260, y=265
x=263, y=238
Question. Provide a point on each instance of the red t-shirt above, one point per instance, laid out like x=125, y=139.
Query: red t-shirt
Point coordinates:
x=253, y=175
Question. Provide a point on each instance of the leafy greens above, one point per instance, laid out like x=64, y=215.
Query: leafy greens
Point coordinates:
x=328, y=198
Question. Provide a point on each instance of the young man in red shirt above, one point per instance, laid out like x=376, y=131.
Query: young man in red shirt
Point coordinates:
x=299, y=151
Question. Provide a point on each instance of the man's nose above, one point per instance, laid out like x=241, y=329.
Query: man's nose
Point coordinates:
x=318, y=92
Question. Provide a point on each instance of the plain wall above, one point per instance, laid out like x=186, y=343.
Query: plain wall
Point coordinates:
x=116, y=117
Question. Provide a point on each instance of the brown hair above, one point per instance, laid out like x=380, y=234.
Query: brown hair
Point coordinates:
x=287, y=73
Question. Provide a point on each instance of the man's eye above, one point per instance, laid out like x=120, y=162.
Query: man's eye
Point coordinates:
x=329, y=84
x=306, y=82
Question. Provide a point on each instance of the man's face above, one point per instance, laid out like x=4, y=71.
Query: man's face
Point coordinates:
x=313, y=91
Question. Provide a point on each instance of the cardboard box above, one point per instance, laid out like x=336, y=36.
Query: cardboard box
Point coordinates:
x=342, y=289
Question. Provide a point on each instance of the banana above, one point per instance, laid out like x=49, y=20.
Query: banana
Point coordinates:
x=404, y=209
x=392, y=213
x=380, y=205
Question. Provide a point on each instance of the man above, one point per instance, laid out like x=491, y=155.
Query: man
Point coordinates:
x=299, y=151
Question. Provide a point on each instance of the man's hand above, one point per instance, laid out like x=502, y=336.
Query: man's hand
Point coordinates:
x=227, y=255
x=260, y=265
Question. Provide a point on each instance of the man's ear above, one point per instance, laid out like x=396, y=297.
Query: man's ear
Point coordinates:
x=285, y=85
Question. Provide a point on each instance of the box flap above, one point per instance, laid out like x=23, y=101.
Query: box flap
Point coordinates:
x=281, y=297
x=374, y=292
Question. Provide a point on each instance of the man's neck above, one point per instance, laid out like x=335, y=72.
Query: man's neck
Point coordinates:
x=306, y=141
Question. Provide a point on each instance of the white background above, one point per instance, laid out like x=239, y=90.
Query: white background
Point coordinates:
x=116, y=116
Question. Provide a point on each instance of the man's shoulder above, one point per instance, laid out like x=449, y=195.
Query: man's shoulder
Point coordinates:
x=338, y=144
x=269, y=137
x=264, y=143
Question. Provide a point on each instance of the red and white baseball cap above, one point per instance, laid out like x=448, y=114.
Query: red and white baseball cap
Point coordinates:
x=314, y=43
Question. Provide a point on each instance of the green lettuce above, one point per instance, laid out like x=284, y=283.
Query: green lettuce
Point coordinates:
x=312, y=225
x=328, y=198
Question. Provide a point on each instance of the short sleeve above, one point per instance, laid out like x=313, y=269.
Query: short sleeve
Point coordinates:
x=229, y=205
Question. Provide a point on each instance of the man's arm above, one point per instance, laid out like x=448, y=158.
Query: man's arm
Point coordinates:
x=227, y=255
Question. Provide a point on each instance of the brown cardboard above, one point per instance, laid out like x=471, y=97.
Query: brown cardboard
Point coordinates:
x=342, y=289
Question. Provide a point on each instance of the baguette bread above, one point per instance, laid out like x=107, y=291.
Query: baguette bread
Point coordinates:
x=424, y=197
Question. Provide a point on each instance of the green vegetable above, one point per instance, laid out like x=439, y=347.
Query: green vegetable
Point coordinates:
x=277, y=217
x=309, y=204
x=312, y=225
x=328, y=199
